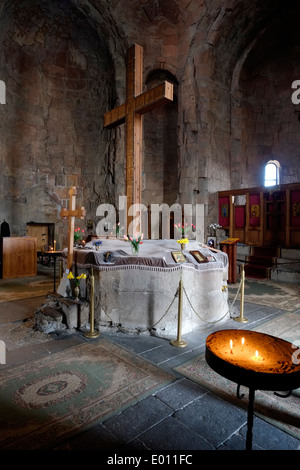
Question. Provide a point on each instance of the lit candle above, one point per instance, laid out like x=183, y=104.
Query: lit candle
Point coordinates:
x=256, y=357
x=243, y=340
x=231, y=346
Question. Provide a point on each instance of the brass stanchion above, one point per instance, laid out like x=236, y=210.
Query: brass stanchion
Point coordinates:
x=241, y=317
x=92, y=333
x=179, y=342
x=60, y=270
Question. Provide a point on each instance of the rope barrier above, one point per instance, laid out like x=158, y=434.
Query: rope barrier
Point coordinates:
x=179, y=291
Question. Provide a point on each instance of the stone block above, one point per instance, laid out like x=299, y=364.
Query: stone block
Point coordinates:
x=76, y=313
x=49, y=319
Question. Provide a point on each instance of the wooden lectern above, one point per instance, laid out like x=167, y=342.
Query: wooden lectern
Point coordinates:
x=229, y=246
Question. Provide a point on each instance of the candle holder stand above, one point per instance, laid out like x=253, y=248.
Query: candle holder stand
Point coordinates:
x=274, y=371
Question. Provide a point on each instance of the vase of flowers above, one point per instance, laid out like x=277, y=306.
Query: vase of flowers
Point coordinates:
x=77, y=293
x=97, y=244
x=77, y=280
x=184, y=230
x=78, y=235
x=183, y=242
x=213, y=229
x=135, y=243
x=117, y=230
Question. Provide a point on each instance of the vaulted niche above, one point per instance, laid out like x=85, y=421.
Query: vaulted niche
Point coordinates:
x=160, y=158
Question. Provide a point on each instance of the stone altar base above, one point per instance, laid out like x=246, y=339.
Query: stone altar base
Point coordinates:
x=140, y=301
x=140, y=294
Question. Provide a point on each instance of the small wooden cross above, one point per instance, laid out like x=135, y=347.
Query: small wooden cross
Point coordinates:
x=72, y=213
x=137, y=104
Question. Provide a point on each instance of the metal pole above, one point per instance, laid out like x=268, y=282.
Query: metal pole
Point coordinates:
x=92, y=333
x=250, y=418
x=179, y=342
x=241, y=317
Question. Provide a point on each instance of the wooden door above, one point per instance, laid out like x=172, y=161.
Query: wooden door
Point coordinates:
x=40, y=232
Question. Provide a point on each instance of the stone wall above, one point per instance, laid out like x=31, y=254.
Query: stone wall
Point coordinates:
x=265, y=124
x=63, y=64
x=58, y=77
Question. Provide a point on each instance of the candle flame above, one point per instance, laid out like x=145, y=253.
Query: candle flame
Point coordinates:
x=243, y=340
x=231, y=345
x=256, y=354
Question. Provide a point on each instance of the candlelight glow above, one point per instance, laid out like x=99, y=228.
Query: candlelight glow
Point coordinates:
x=250, y=350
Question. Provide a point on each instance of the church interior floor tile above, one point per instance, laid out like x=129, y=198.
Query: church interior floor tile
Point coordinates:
x=180, y=416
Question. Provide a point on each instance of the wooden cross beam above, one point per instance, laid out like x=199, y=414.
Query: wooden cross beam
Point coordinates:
x=72, y=213
x=137, y=104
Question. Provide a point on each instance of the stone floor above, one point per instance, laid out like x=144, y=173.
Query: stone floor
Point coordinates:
x=182, y=416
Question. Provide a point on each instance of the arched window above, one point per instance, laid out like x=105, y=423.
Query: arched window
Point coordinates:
x=272, y=173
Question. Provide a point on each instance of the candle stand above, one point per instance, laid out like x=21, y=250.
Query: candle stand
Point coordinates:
x=54, y=255
x=255, y=360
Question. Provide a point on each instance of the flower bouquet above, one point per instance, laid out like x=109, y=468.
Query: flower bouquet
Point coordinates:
x=184, y=229
x=213, y=229
x=97, y=244
x=78, y=234
x=183, y=242
x=77, y=280
x=134, y=243
x=117, y=230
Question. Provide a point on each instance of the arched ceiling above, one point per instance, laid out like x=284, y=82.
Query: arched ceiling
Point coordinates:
x=227, y=26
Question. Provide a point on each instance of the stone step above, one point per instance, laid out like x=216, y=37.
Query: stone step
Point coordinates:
x=285, y=275
x=284, y=268
x=257, y=271
x=264, y=251
x=261, y=260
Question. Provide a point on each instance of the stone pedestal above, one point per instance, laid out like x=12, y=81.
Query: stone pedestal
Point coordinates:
x=60, y=313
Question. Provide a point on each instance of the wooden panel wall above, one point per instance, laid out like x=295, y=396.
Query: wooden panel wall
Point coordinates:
x=19, y=257
x=268, y=216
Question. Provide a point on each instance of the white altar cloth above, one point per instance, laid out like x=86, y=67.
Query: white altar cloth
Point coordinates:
x=140, y=294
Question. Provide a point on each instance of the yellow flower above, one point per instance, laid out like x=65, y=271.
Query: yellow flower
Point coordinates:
x=183, y=241
x=77, y=279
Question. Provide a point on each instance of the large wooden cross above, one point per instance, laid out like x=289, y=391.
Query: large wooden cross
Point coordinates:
x=137, y=104
x=72, y=213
